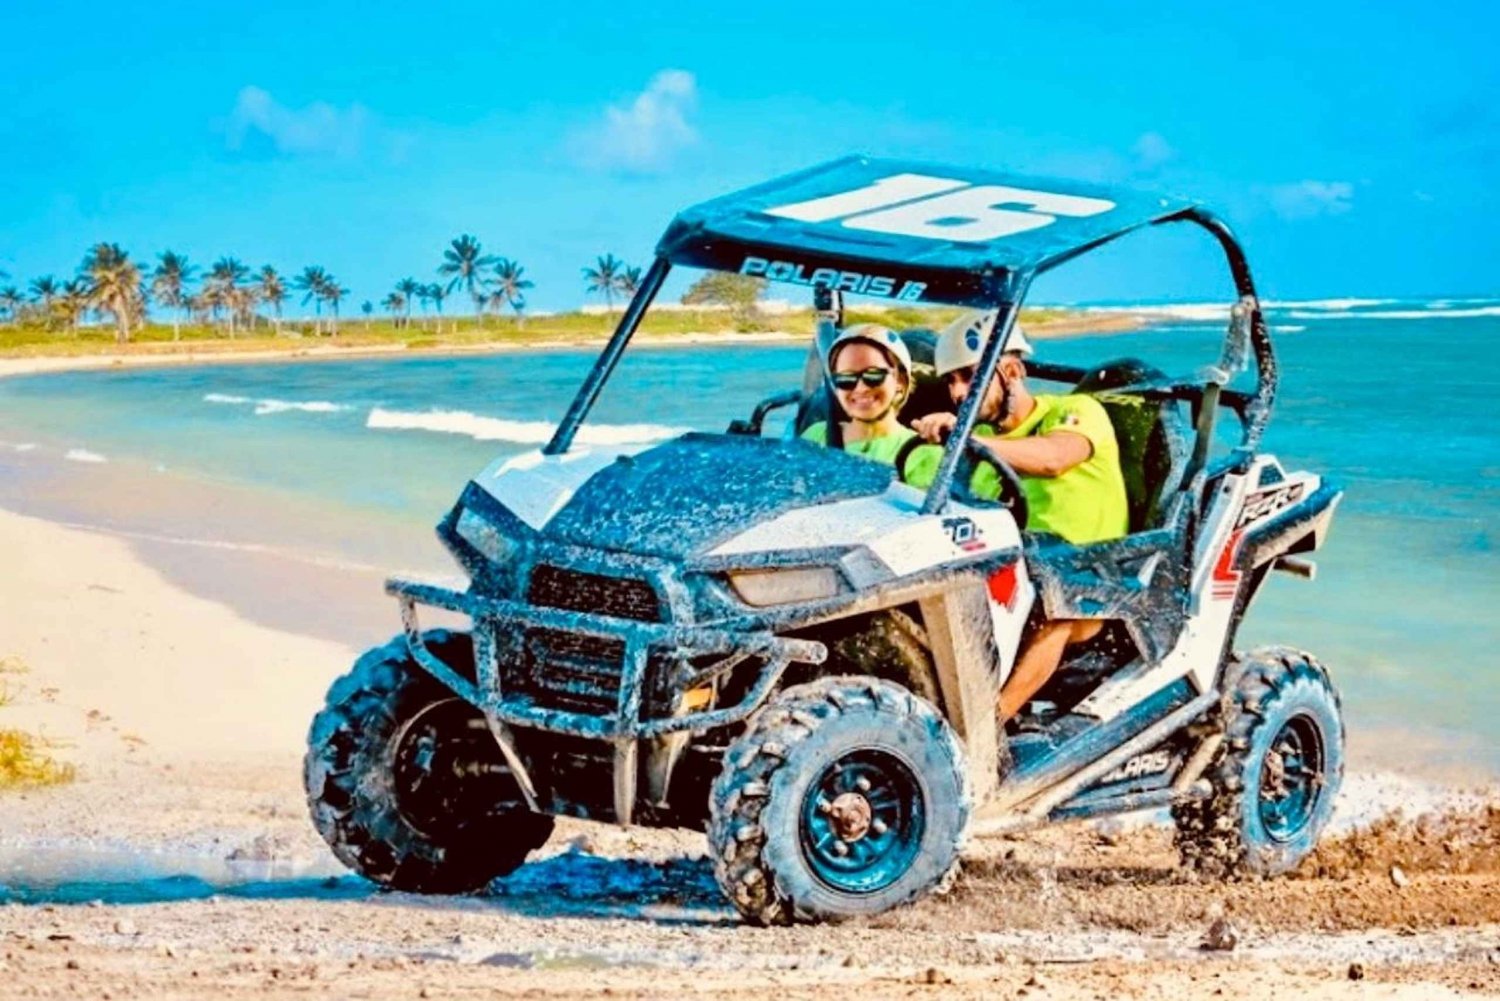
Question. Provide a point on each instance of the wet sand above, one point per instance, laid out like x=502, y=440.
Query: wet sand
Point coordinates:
x=187, y=833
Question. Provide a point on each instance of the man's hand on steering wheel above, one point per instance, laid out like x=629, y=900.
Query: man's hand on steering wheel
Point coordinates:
x=935, y=427
x=1011, y=494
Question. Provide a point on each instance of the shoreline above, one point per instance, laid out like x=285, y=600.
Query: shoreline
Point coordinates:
x=162, y=354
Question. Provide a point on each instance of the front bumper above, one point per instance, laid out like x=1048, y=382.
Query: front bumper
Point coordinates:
x=501, y=626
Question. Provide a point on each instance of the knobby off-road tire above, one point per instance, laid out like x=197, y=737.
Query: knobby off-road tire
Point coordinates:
x=405, y=782
x=824, y=759
x=1277, y=775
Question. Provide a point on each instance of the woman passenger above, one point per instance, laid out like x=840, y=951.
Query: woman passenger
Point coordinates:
x=869, y=368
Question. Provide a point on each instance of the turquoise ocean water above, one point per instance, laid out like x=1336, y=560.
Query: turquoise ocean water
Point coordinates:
x=1395, y=400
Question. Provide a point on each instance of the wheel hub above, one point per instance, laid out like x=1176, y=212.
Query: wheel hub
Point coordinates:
x=862, y=821
x=850, y=814
x=1291, y=779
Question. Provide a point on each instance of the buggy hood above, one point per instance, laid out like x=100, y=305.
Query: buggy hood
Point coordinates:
x=678, y=499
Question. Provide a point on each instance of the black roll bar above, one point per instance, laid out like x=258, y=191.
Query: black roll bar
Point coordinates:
x=562, y=438
x=968, y=412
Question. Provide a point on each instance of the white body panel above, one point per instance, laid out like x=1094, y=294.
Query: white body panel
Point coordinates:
x=1215, y=589
x=536, y=486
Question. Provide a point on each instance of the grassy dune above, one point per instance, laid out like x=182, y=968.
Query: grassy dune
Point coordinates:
x=24, y=762
x=20, y=341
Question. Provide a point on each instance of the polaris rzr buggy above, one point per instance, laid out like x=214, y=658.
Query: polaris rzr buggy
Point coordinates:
x=784, y=646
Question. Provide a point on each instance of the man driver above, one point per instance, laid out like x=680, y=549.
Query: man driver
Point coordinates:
x=1062, y=447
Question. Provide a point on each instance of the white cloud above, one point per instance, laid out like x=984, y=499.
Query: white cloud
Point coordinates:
x=644, y=134
x=318, y=128
x=1308, y=199
x=1152, y=150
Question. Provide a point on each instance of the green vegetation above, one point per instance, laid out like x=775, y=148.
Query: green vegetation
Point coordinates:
x=739, y=293
x=23, y=761
x=434, y=332
x=237, y=308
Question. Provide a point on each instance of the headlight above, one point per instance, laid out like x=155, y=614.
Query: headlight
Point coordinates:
x=784, y=587
x=485, y=537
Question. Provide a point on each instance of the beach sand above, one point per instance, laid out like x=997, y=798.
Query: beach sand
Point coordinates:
x=186, y=720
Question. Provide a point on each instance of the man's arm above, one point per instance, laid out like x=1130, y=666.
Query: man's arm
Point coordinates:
x=1050, y=454
x=1042, y=455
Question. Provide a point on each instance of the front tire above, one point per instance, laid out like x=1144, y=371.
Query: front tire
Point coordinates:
x=405, y=781
x=1278, y=774
x=845, y=797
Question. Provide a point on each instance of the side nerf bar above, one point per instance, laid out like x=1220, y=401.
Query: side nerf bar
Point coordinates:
x=493, y=618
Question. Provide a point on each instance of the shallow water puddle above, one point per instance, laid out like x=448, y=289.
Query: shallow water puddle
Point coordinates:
x=676, y=890
x=77, y=875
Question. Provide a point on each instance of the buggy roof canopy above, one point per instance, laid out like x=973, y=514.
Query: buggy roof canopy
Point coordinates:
x=914, y=232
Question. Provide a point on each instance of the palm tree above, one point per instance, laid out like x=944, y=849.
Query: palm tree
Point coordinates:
x=510, y=286
x=334, y=293
x=44, y=291
x=112, y=285
x=463, y=264
x=169, y=285
x=199, y=306
x=312, y=282
x=10, y=301
x=72, y=300
x=630, y=282
x=395, y=303
x=436, y=294
x=604, y=278
x=271, y=289
x=409, y=289
x=224, y=280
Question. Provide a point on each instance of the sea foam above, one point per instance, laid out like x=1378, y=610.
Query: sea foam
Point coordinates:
x=83, y=455
x=1401, y=314
x=264, y=407
x=481, y=428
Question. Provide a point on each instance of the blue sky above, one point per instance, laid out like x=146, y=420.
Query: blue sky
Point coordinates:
x=1354, y=146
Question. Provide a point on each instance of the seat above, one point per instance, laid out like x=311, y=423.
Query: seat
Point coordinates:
x=1153, y=435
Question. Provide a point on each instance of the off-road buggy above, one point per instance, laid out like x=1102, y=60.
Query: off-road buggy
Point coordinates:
x=786, y=647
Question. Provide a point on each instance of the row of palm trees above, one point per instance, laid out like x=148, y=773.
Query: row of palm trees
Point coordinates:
x=492, y=282
x=110, y=284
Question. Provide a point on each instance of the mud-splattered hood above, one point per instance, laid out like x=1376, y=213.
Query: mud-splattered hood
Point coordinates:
x=676, y=499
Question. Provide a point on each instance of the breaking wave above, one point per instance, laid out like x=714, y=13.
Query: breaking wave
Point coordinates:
x=1332, y=305
x=83, y=455
x=263, y=407
x=1400, y=314
x=1188, y=311
x=481, y=428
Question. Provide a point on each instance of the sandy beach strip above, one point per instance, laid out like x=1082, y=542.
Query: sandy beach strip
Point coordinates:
x=106, y=639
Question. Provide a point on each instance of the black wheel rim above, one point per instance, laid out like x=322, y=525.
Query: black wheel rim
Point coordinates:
x=1291, y=781
x=448, y=770
x=862, y=821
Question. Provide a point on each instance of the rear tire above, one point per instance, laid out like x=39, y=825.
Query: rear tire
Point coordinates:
x=406, y=783
x=1277, y=775
x=845, y=797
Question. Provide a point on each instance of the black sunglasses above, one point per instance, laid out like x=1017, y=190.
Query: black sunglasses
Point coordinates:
x=871, y=377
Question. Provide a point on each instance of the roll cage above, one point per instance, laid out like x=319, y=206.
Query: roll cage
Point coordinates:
x=931, y=233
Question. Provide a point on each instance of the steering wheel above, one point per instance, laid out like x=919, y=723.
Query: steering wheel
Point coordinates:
x=1011, y=494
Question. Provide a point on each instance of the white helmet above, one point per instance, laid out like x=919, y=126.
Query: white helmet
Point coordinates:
x=960, y=343
x=881, y=337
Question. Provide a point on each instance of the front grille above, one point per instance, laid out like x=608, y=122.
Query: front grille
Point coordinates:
x=576, y=591
x=571, y=672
